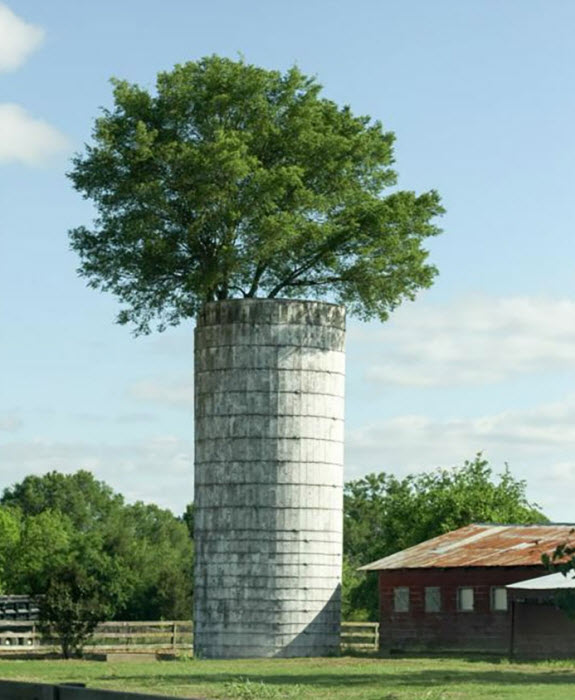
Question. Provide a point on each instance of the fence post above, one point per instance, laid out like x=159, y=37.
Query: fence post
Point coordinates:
x=174, y=631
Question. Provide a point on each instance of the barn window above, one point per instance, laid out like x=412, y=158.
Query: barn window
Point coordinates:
x=432, y=599
x=499, y=598
x=401, y=599
x=465, y=599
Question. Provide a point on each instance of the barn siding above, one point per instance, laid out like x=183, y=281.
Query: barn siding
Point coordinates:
x=482, y=630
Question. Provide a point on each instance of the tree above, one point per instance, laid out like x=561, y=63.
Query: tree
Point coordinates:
x=84, y=500
x=44, y=545
x=76, y=600
x=10, y=533
x=232, y=180
x=158, y=550
x=69, y=613
x=188, y=518
x=56, y=524
x=562, y=560
x=384, y=514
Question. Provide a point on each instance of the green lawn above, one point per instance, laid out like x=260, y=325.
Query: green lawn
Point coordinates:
x=333, y=678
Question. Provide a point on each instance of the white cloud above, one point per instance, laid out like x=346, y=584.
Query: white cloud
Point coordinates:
x=473, y=341
x=25, y=139
x=178, y=393
x=156, y=470
x=17, y=39
x=537, y=443
x=124, y=418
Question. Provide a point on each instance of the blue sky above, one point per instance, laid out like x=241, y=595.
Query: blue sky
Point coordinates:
x=481, y=97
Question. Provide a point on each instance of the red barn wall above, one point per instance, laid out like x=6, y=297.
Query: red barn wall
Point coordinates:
x=480, y=630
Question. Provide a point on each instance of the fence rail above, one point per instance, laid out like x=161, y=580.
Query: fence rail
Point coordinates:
x=360, y=636
x=173, y=635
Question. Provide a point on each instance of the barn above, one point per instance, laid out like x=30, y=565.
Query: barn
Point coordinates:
x=449, y=594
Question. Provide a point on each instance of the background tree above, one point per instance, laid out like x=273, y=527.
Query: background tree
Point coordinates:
x=10, y=532
x=75, y=601
x=384, y=514
x=188, y=519
x=562, y=560
x=232, y=180
x=85, y=501
x=66, y=528
x=158, y=551
x=44, y=545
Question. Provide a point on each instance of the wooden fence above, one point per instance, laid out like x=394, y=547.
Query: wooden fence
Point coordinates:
x=16, y=637
x=359, y=636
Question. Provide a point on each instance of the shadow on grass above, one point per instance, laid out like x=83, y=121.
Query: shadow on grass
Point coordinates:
x=413, y=678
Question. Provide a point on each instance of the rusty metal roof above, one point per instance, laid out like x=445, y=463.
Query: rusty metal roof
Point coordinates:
x=481, y=545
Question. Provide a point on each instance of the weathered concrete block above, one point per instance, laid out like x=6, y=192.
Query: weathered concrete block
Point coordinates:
x=269, y=389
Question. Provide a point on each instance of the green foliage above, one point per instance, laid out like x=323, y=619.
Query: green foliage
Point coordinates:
x=75, y=602
x=384, y=514
x=44, y=544
x=84, y=500
x=10, y=527
x=188, y=519
x=352, y=582
x=158, y=551
x=232, y=180
x=562, y=560
x=139, y=555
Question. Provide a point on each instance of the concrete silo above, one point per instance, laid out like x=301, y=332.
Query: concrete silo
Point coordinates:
x=269, y=402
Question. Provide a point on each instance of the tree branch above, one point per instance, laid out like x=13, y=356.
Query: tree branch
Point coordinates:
x=313, y=282
x=260, y=269
x=330, y=245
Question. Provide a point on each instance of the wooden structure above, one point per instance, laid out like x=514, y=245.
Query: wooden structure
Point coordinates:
x=449, y=593
x=18, y=607
x=169, y=636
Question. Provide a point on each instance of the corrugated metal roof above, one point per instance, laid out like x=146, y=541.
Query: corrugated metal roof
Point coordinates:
x=545, y=583
x=481, y=545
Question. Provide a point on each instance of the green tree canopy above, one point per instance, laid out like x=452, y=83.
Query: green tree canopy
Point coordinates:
x=231, y=180
x=158, y=551
x=84, y=500
x=10, y=533
x=384, y=514
x=72, y=531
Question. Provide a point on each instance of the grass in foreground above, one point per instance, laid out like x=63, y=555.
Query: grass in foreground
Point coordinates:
x=333, y=678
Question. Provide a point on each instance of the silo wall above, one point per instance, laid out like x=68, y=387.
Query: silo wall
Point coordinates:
x=269, y=408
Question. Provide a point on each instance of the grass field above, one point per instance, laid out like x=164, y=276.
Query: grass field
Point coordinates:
x=333, y=678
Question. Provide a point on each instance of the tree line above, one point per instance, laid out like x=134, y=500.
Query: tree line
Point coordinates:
x=72, y=528
x=89, y=555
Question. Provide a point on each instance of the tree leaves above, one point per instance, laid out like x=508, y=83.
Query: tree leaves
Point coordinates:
x=231, y=180
x=71, y=525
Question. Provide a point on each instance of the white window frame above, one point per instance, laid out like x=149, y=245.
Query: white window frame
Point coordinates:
x=426, y=600
x=460, y=592
x=399, y=605
x=494, y=606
